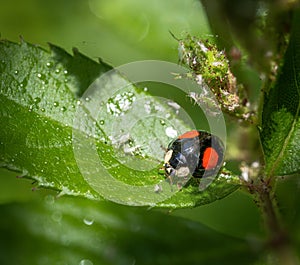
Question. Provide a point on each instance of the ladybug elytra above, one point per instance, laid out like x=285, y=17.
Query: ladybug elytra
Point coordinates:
x=194, y=153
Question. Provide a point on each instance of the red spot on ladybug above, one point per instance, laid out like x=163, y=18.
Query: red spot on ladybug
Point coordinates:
x=194, y=153
x=190, y=134
x=210, y=158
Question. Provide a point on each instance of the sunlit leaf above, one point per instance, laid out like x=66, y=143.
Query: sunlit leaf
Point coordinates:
x=52, y=134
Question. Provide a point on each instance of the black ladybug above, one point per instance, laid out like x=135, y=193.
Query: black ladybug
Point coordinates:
x=195, y=153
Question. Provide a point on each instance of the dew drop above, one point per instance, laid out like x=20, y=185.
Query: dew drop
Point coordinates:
x=49, y=199
x=63, y=109
x=56, y=216
x=16, y=72
x=88, y=221
x=22, y=88
x=85, y=262
x=55, y=104
x=65, y=72
x=87, y=99
x=57, y=71
x=42, y=109
x=37, y=100
x=101, y=122
x=42, y=77
x=49, y=64
x=162, y=122
x=171, y=132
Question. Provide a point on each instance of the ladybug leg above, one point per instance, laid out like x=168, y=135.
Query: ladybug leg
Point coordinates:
x=169, y=173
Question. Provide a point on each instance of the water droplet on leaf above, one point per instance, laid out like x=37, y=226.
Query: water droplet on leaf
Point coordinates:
x=85, y=262
x=171, y=132
x=88, y=221
x=49, y=199
x=37, y=100
x=56, y=216
x=162, y=122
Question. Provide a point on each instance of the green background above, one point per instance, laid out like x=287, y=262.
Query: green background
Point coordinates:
x=119, y=32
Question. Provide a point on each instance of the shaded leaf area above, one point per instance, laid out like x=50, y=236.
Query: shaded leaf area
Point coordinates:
x=236, y=215
x=288, y=196
x=280, y=133
x=70, y=231
x=39, y=101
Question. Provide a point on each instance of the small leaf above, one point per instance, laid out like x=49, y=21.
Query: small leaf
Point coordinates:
x=72, y=128
x=280, y=133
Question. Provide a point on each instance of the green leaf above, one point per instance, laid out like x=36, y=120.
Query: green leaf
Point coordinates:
x=280, y=133
x=288, y=196
x=77, y=231
x=67, y=129
x=37, y=109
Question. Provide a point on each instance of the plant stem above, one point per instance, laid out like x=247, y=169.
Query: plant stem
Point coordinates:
x=278, y=240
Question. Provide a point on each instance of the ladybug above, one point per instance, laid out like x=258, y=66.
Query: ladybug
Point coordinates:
x=194, y=153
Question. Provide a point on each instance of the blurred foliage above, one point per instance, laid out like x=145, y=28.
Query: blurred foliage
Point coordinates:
x=76, y=231
x=35, y=224
x=117, y=31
